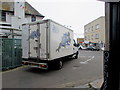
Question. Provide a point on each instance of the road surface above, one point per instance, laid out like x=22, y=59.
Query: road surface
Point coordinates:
x=75, y=72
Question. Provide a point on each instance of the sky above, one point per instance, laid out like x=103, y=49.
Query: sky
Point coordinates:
x=74, y=14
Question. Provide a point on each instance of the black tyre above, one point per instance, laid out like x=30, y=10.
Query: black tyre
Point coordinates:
x=59, y=64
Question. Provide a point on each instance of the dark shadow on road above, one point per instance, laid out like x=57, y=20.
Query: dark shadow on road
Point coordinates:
x=37, y=70
x=44, y=71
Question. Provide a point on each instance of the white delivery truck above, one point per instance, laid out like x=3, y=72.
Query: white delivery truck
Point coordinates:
x=45, y=44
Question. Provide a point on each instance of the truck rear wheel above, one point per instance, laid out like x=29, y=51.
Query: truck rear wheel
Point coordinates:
x=55, y=64
x=59, y=64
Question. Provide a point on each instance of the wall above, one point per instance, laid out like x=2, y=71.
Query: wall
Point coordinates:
x=91, y=31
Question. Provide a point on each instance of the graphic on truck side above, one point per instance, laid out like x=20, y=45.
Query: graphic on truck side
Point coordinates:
x=66, y=41
x=34, y=34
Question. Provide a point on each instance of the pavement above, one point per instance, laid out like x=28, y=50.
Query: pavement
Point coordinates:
x=93, y=85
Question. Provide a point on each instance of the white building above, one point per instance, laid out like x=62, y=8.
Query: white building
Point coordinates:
x=14, y=14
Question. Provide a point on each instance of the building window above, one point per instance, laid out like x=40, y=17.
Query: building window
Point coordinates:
x=3, y=16
x=97, y=26
x=89, y=29
x=33, y=18
x=92, y=28
x=97, y=36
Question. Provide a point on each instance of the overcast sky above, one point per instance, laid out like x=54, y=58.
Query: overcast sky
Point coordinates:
x=72, y=13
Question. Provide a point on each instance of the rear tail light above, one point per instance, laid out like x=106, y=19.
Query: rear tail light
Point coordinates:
x=44, y=66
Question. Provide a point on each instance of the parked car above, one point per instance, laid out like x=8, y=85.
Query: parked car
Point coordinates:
x=93, y=48
x=82, y=47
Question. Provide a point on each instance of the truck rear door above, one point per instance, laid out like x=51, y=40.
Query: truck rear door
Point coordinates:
x=37, y=41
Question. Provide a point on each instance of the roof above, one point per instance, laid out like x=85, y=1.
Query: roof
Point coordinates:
x=9, y=6
x=94, y=20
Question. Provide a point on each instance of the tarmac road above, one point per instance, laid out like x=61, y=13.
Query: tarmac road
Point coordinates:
x=75, y=72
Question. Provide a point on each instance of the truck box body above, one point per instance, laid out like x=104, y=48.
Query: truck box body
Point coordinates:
x=46, y=40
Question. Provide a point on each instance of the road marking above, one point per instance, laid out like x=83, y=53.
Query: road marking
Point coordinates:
x=11, y=70
x=86, y=62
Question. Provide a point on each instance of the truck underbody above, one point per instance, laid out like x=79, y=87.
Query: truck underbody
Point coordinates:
x=48, y=64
